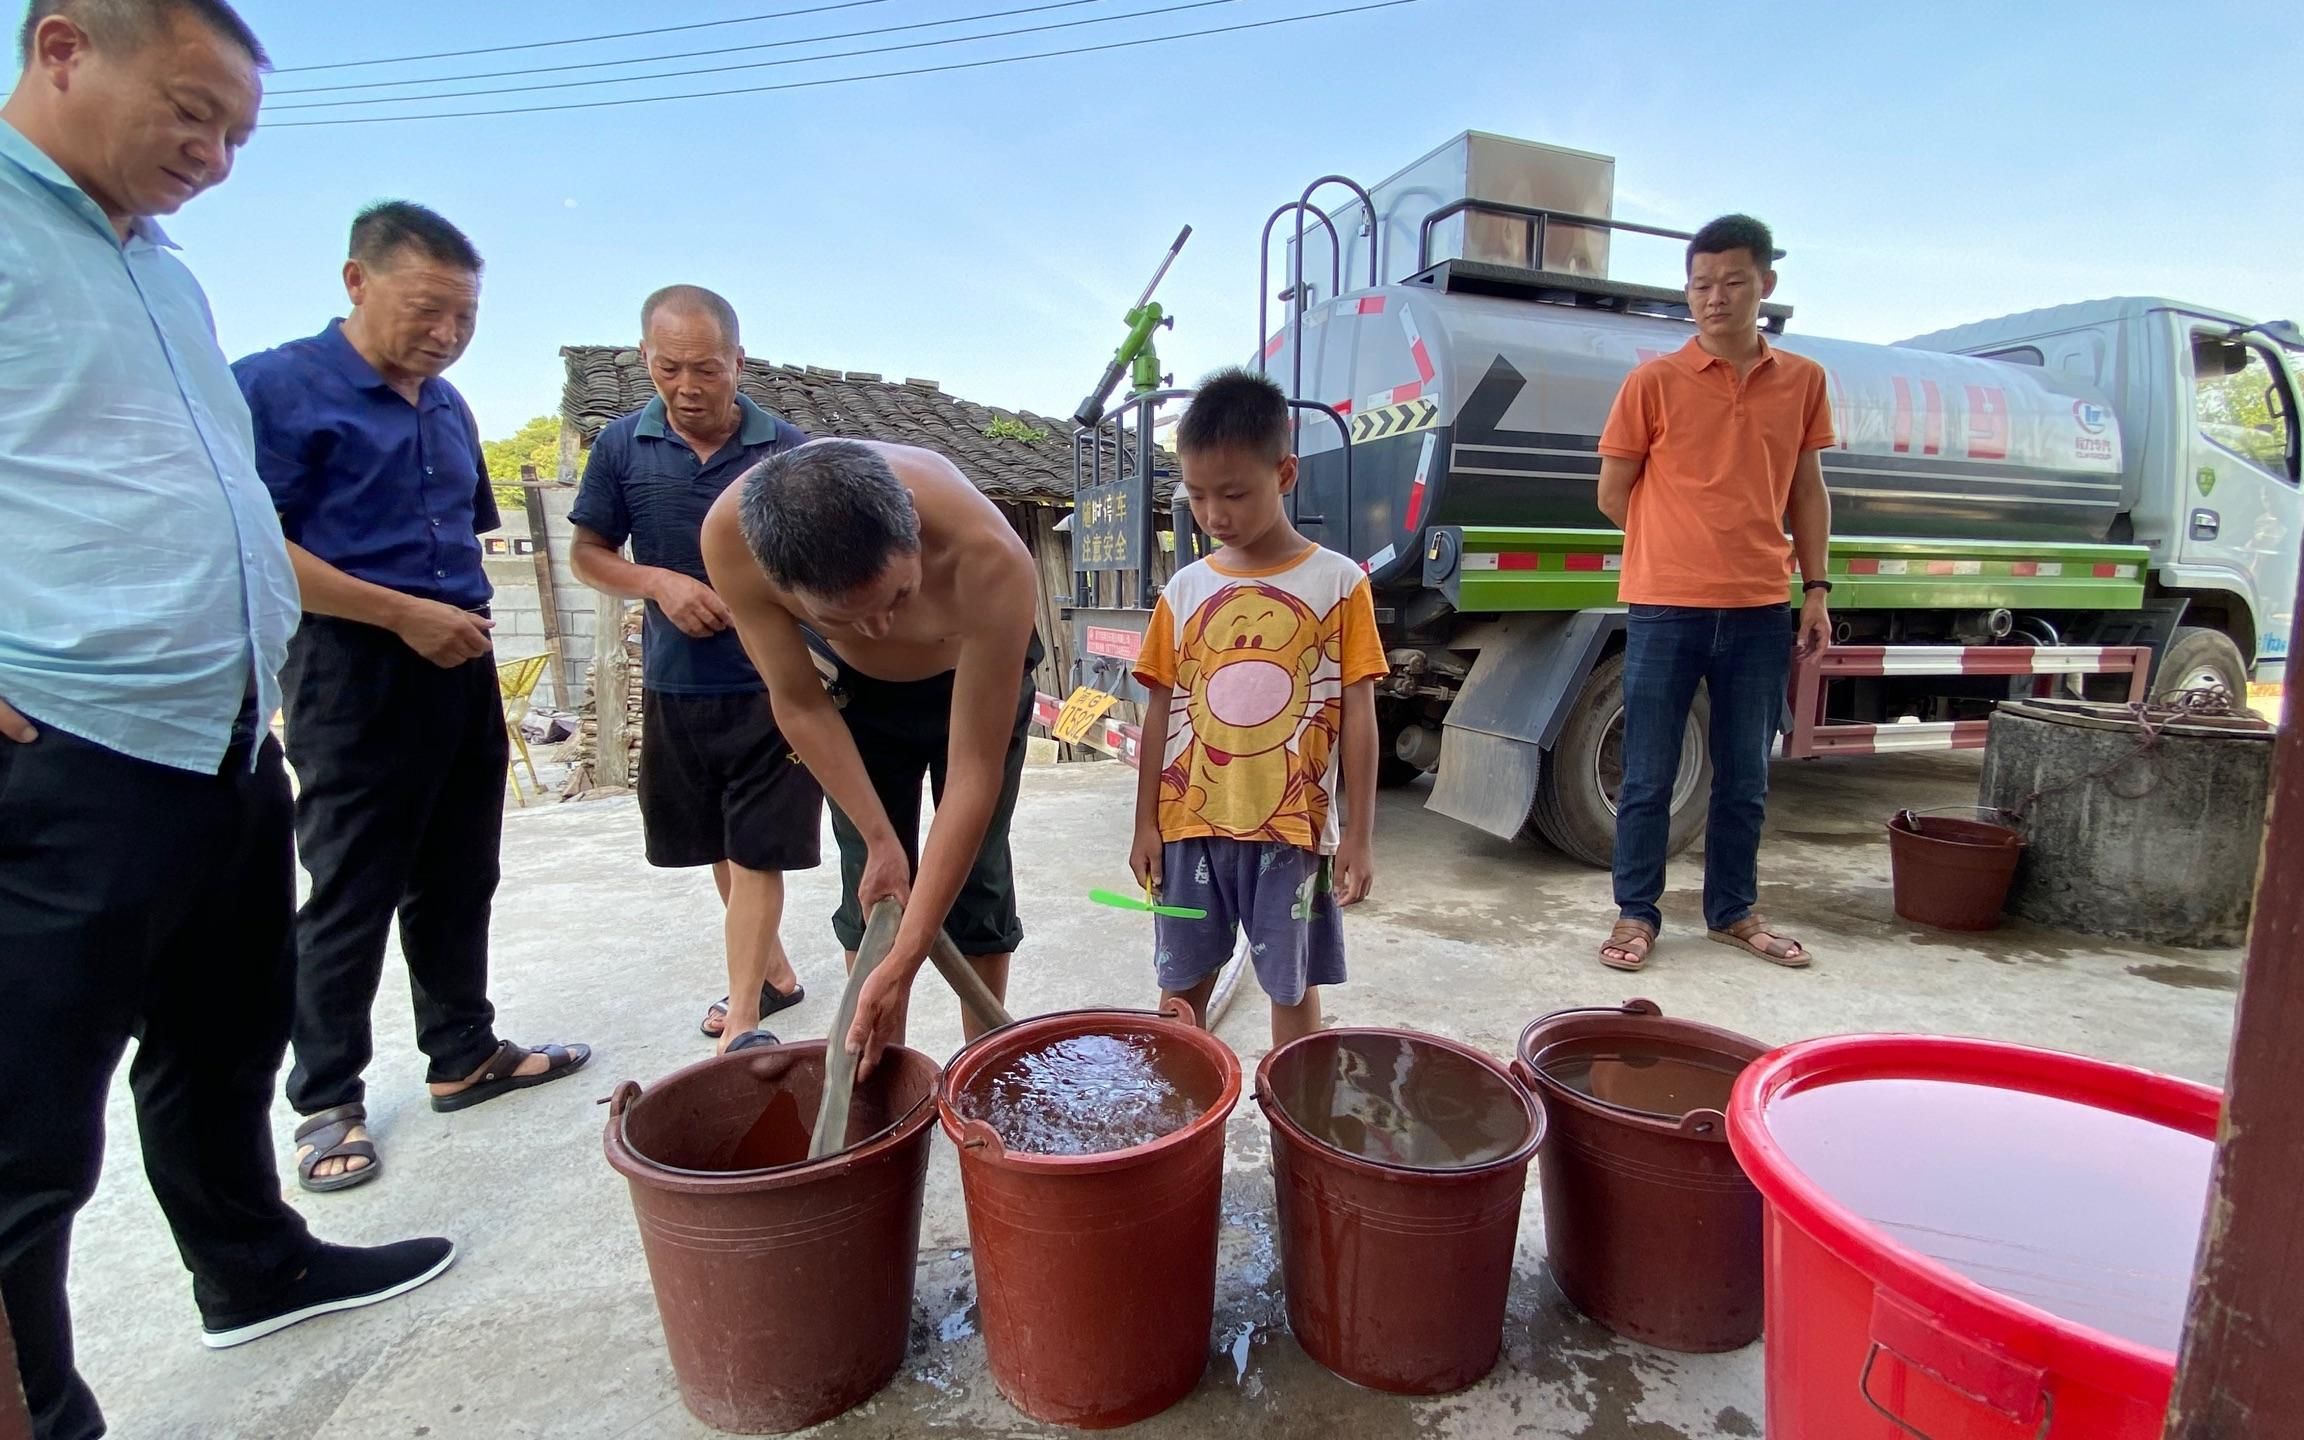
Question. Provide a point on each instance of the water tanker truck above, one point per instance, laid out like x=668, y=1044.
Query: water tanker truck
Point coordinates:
x=2097, y=499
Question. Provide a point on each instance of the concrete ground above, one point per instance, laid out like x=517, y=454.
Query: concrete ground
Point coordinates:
x=547, y=1326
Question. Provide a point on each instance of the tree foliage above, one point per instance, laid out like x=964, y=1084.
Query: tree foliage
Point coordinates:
x=536, y=443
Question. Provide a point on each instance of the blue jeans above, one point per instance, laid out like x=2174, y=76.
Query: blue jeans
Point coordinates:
x=1743, y=658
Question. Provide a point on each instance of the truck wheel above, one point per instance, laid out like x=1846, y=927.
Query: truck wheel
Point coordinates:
x=1392, y=771
x=1576, y=790
x=2197, y=657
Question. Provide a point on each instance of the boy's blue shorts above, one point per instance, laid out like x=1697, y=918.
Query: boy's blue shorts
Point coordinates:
x=1284, y=895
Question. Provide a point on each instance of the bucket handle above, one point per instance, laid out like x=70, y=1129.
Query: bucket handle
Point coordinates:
x=888, y=1129
x=1637, y=1005
x=1992, y=814
x=620, y=1100
x=977, y=1135
x=1703, y=1124
x=1634, y=1006
x=1979, y=1372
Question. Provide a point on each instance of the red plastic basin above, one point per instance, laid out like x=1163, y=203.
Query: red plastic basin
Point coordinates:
x=1926, y=1266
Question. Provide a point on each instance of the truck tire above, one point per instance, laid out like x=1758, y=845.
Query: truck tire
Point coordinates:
x=2197, y=656
x=1575, y=805
x=1392, y=772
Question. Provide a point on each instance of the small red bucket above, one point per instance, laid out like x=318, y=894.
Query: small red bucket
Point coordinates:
x=1952, y=874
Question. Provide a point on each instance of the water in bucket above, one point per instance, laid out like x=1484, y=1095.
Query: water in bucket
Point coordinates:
x=1391, y=1099
x=1081, y=1095
x=779, y=1136
x=2086, y=1213
x=1647, y=1075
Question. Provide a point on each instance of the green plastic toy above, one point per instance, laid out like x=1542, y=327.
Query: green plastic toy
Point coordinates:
x=1129, y=902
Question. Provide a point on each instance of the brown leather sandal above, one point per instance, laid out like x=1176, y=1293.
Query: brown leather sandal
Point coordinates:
x=1792, y=955
x=1634, y=939
x=326, y=1134
x=500, y=1075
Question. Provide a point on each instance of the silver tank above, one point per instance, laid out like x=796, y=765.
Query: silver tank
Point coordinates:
x=1471, y=409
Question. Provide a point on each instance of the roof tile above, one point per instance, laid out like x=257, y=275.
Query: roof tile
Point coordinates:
x=606, y=381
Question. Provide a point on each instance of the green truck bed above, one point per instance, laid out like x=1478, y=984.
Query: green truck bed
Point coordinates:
x=1506, y=571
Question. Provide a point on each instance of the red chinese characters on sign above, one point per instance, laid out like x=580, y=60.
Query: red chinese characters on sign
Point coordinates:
x=1114, y=644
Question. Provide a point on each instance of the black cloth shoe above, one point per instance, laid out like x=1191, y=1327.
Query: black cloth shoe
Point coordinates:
x=337, y=1277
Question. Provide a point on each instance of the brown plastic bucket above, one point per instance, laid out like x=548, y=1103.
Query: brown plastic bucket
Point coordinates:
x=1650, y=1225
x=1951, y=874
x=785, y=1284
x=1096, y=1274
x=1400, y=1160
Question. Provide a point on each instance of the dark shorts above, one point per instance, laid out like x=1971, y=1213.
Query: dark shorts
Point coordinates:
x=717, y=782
x=903, y=734
x=1284, y=896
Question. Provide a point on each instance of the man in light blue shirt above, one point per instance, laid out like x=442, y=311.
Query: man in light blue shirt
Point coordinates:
x=146, y=876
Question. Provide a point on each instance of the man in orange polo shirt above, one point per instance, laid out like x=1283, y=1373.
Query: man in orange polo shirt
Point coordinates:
x=1708, y=454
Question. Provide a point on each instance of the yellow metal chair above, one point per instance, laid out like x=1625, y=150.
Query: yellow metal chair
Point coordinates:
x=517, y=679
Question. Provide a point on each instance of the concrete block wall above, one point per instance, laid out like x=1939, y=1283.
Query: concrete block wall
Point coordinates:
x=519, y=609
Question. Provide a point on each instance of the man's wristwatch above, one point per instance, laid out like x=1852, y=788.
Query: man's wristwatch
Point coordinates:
x=1812, y=585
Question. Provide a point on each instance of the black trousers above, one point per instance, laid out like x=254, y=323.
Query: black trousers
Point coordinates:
x=137, y=899
x=399, y=807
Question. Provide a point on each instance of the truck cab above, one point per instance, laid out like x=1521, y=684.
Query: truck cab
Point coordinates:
x=2206, y=405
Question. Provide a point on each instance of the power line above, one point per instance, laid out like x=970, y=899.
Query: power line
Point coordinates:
x=847, y=79
x=760, y=64
x=578, y=40
x=675, y=55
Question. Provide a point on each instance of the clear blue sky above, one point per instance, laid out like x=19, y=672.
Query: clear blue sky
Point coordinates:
x=1923, y=165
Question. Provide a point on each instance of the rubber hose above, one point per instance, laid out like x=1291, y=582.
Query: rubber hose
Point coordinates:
x=840, y=1066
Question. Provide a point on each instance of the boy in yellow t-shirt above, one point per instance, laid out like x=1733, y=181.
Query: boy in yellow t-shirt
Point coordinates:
x=1261, y=664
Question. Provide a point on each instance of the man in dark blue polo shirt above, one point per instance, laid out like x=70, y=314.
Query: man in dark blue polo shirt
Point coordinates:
x=718, y=784
x=394, y=722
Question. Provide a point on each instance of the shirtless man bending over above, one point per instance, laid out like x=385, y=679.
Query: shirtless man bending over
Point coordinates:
x=917, y=598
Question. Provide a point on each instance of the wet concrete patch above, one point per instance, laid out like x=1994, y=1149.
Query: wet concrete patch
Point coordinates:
x=1478, y=924
x=1830, y=898
x=1838, y=839
x=1732, y=1421
x=1603, y=1379
x=2187, y=977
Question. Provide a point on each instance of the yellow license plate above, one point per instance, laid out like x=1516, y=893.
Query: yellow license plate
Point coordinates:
x=1082, y=709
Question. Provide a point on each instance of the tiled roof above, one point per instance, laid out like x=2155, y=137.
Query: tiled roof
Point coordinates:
x=606, y=381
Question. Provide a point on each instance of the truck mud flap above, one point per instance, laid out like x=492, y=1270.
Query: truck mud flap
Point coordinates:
x=1510, y=712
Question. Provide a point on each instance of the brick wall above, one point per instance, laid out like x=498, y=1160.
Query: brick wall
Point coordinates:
x=518, y=608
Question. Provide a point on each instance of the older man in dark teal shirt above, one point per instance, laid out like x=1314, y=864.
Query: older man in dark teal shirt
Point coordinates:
x=718, y=784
